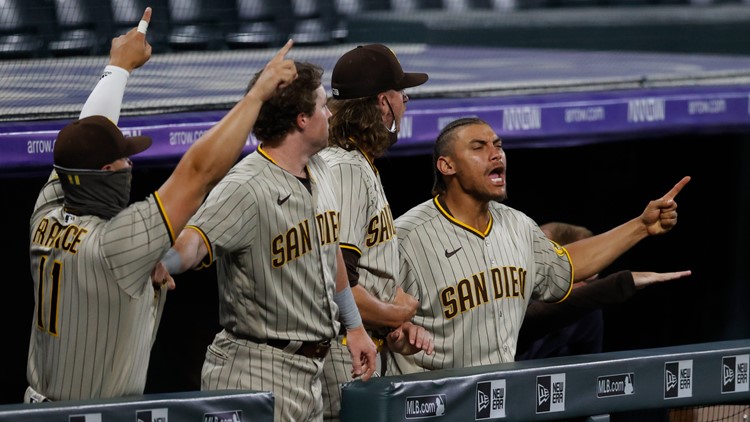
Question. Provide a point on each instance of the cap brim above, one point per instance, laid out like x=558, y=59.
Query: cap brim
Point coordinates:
x=412, y=80
x=137, y=144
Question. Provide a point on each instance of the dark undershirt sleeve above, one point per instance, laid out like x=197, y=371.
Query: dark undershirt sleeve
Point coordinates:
x=542, y=318
x=351, y=258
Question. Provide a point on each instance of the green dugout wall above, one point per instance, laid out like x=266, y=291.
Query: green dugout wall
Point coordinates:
x=198, y=406
x=558, y=388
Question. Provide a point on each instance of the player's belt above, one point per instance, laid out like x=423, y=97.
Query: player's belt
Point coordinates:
x=309, y=349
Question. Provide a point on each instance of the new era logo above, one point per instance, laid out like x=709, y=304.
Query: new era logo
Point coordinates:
x=734, y=373
x=678, y=379
x=151, y=415
x=542, y=393
x=550, y=393
x=92, y=417
x=490, y=400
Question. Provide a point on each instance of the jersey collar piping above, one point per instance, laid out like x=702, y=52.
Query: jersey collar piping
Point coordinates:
x=367, y=157
x=446, y=213
x=265, y=155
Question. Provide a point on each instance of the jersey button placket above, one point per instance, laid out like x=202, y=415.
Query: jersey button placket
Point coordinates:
x=497, y=314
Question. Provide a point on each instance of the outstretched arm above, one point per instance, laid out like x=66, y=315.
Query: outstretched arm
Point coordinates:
x=543, y=317
x=591, y=255
x=586, y=296
x=643, y=279
x=127, y=53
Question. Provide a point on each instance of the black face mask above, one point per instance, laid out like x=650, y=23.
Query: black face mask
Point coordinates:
x=95, y=192
x=393, y=131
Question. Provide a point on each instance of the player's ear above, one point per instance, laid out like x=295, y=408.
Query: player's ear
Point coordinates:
x=383, y=105
x=382, y=100
x=301, y=121
x=446, y=166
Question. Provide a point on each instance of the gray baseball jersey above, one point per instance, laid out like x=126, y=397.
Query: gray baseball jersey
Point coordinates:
x=275, y=247
x=367, y=229
x=366, y=220
x=473, y=286
x=96, y=312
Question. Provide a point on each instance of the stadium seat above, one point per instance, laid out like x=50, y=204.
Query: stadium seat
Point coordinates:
x=78, y=29
x=313, y=22
x=18, y=35
x=196, y=24
x=343, y=9
x=257, y=25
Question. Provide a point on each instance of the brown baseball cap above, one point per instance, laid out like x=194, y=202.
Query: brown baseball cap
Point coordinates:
x=93, y=142
x=369, y=70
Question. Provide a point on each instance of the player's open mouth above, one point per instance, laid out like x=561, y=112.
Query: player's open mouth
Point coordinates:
x=497, y=176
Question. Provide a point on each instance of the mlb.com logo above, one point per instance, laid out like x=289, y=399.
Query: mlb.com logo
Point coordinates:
x=678, y=379
x=490, y=400
x=734, y=373
x=425, y=406
x=615, y=385
x=550, y=393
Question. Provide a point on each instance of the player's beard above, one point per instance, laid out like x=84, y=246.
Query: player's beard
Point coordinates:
x=497, y=197
x=484, y=195
x=487, y=196
x=501, y=197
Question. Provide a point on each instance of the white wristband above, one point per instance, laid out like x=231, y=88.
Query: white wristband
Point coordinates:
x=172, y=261
x=348, y=311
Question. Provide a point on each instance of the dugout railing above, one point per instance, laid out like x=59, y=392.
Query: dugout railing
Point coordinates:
x=548, y=389
x=197, y=406
x=559, y=388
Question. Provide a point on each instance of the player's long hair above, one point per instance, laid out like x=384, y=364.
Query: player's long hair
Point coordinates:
x=359, y=119
x=442, y=148
x=278, y=116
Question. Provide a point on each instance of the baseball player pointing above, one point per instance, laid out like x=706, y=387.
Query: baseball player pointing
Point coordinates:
x=272, y=228
x=96, y=312
x=474, y=263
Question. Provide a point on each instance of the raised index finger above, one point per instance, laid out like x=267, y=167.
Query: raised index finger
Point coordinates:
x=145, y=20
x=677, y=188
x=281, y=53
x=147, y=15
